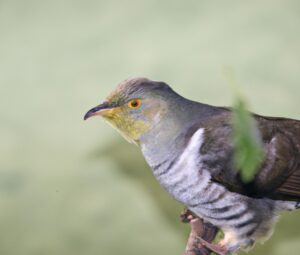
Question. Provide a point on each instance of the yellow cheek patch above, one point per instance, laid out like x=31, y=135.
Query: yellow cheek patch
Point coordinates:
x=130, y=128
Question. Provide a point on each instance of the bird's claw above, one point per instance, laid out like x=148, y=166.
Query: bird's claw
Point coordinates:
x=186, y=216
x=216, y=248
x=198, y=229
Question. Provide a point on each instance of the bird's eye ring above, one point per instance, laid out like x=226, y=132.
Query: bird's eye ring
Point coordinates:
x=135, y=103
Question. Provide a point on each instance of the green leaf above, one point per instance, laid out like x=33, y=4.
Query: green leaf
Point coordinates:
x=246, y=139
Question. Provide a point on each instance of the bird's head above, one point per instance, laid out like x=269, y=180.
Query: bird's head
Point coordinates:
x=135, y=107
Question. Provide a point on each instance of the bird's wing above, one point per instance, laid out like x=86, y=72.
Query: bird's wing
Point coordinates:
x=278, y=177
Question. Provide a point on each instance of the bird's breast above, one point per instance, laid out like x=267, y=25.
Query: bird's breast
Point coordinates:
x=183, y=176
x=186, y=179
x=189, y=182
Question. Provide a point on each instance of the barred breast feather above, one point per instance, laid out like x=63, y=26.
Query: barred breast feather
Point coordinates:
x=243, y=219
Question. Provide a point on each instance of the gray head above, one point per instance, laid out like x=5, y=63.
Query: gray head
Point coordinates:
x=138, y=106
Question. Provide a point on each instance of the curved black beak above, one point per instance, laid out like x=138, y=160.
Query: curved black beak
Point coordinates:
x=98, y=110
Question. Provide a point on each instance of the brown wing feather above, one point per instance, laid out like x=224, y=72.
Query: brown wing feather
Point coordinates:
x=291, y=187
x=279, y=174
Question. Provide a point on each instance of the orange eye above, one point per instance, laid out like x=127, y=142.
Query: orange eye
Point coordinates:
x=135, y=103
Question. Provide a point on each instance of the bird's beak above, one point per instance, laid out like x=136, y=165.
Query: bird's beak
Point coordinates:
x=102, y=110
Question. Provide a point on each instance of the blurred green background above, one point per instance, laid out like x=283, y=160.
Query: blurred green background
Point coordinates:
x=74, y=187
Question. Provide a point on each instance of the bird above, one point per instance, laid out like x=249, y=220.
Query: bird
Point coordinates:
x=188, y=146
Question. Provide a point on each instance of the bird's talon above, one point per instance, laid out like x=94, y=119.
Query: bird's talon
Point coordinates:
x=216, y=248
x=186, y=216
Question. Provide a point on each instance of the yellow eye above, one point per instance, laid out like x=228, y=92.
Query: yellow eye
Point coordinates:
x=135, y=103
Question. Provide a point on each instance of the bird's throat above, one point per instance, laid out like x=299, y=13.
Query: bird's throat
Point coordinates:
x=130, y=129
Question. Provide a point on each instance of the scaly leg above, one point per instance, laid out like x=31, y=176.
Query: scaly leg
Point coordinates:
x=199, y=229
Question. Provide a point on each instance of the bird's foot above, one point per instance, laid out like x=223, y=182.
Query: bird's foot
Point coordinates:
x=216, y=248
x=186, y=216
x=199, y=229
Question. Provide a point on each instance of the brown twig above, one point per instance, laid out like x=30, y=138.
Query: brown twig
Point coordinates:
x=200, y=229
